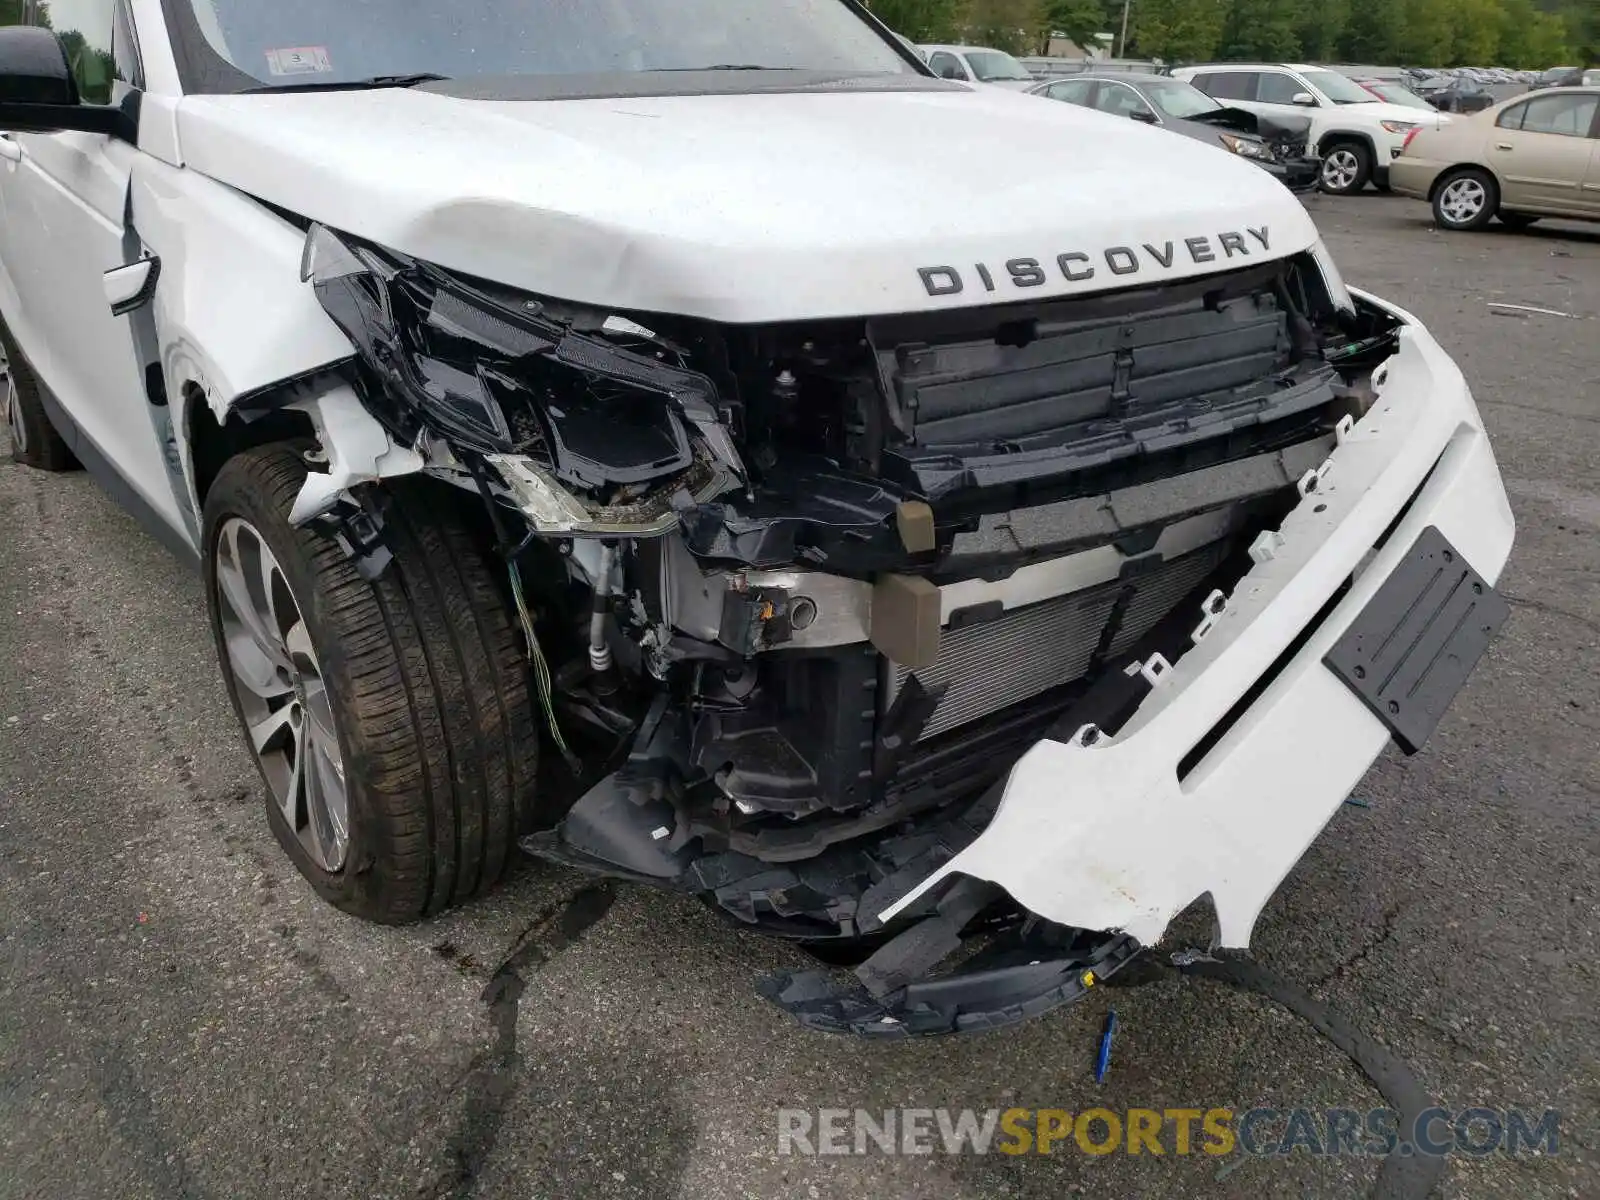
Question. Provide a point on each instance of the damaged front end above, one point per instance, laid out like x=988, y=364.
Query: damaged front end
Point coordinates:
x=798, y=597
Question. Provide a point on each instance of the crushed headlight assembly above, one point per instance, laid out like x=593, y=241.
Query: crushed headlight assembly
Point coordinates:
x=497, y=373
x=550, y=508
x=1249, y=148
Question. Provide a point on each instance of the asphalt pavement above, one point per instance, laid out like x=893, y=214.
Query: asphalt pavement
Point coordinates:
x=179, y=1015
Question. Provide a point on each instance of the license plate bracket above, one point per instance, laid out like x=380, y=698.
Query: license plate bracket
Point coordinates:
x=1411, y=649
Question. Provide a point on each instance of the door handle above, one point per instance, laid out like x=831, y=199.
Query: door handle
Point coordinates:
x=9, y=150
x=1502, y=145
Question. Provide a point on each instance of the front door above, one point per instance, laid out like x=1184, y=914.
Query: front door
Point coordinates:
x=1541, y=151
x=65, y=203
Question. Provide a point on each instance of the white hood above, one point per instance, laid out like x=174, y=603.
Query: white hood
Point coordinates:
x=1382, y=110
x=754, y=208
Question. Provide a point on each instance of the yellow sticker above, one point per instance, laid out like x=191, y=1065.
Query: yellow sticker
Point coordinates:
x=1088, y=979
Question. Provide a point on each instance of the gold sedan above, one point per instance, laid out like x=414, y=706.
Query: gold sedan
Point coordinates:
x=1533, y=156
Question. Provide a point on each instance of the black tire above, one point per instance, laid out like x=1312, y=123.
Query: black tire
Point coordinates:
x=1346, y=168
x=34, y=441
x=1513, y=220
x=1468, y=181
x=428, y=684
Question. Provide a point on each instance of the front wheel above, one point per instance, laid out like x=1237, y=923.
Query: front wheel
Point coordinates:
x=1465, y=199
x=391, y=719
x=1346, y=168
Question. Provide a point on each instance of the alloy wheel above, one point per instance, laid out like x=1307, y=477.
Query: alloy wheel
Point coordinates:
x=282, y=695
x=14, y=423
x=1340, y=169
x=1463, y=200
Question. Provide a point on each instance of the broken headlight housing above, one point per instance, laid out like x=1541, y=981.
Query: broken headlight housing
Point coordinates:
x=589, y=434
x=1249, y=148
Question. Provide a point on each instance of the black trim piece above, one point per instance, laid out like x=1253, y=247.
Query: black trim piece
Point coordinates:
x=146, y=292
x=84, y=118
x=284, y=392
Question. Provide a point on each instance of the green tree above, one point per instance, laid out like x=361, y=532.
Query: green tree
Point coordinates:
x=1320, y=27
x=1537, y=39
x=1477, y=34
x=1080, y=20
x=1176, y=30
x=1581, y=30
x=1425, y=32
x=1011, y=25
x=1370, y=32
x=1261, y=29
x=920, y=20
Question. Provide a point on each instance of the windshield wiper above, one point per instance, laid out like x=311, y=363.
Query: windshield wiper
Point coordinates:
x=352, y=85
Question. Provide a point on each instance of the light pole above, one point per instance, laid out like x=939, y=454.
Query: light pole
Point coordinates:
x=1122, y=43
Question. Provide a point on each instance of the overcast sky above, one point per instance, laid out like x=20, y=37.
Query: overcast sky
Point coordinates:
x=81, y=14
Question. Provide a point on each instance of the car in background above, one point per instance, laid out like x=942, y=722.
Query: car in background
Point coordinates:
x=1355, y=134
x=1532, y=156
x=1463, y=95
x=1396, y=93
x=1589, y=78
x=978, y=64
x=1276, y=146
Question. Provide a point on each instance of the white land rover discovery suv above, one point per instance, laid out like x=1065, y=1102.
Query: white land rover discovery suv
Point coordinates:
x=1356, y=134
x=615, y=429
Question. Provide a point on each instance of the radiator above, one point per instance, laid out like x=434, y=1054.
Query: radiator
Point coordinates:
x=991, y=666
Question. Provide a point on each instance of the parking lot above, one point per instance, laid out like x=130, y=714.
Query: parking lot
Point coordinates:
x=180, y=1016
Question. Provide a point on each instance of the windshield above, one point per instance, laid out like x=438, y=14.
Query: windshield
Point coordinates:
x=1177, y=99
x=992, y=66
x=1395, y=94
x=1341, y=89
x=295, y=43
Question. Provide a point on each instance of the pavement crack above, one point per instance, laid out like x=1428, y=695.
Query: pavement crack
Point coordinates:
x=1555, y=610
x=492, y=1079
x=1385, y=934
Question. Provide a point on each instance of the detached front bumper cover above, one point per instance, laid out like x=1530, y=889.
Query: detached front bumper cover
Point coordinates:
x=1241, y=751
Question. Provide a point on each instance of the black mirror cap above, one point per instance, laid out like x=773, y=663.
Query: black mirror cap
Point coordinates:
x=1145, y=115
x=34, y=68
x=39, y=95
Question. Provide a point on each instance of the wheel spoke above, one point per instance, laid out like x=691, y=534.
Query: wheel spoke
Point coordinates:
x=292, y=799
x=254, y=669
x=242, y=605
x=319, y=715
x=326, y=815
x=19, y=434
x=269, y=731
x=298, y=644
x=270, y=575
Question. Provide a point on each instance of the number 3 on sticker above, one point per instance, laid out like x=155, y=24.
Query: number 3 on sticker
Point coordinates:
x=299, y=60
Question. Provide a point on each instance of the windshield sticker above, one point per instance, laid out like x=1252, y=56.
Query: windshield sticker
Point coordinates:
x=299, y=60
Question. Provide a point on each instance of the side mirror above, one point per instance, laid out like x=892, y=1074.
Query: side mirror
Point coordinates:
x=952, y=70
x=1145, y=115
x=38, y=93
x=1303, y=99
